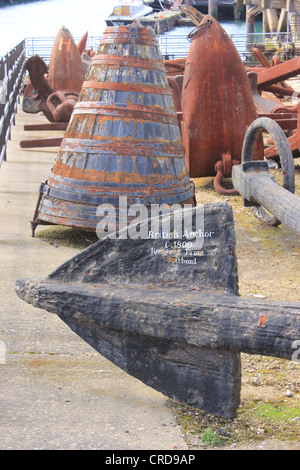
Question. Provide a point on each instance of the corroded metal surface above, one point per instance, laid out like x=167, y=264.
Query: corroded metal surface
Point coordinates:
x=43, y=142
x=279, y=72
x=294, y=140
x=262, y=103
x=217, y=103
x=66, y=72
x=38, y=90
x=280, y=89
x=123, y=138
x=54, y=90
x=195, y=16
x=262, y=59
x=175, y=66
x=31, y=101
x=81, y=45
x=61, y=105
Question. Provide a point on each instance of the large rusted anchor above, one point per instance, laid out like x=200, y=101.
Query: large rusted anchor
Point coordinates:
x=56, y=105
x=56, y=87
x=214, y=119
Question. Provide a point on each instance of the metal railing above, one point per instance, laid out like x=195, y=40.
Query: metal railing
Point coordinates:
x=43, y=46
x=177, y=46
x=11, y=81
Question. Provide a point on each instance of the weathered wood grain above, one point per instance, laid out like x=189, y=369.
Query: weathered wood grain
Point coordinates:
x=200, y=318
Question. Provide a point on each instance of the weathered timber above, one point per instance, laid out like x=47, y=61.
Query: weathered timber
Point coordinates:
x=166, y=312
x=202, y=319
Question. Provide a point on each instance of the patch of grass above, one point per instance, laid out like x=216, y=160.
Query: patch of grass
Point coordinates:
x=254, y=422
x=67, y=236
x=209, y=430
x=211, y=438
x=260, y=416
x=280, y=412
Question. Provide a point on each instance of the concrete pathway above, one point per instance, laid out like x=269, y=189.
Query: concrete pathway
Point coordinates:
x=56, y=392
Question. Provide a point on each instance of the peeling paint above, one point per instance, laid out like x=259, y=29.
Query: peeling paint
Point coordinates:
x=123, y=138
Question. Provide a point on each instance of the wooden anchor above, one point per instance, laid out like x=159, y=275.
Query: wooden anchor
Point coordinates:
x=164, y=306
x=256, y=185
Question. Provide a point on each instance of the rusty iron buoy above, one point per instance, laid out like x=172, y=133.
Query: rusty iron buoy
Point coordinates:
x=123, y=138
x=66, y=72
x=217, y=103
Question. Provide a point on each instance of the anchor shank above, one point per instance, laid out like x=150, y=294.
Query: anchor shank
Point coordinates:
x=257, y=187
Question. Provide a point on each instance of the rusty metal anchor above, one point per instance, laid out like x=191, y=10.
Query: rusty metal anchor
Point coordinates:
x=54, y=90
x=257, y=187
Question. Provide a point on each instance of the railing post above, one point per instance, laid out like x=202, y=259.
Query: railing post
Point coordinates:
x=11, y=79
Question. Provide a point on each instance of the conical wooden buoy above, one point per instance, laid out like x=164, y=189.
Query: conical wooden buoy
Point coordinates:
x=123, y=138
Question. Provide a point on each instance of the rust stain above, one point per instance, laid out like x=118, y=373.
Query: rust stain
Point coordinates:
x=262, y=321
